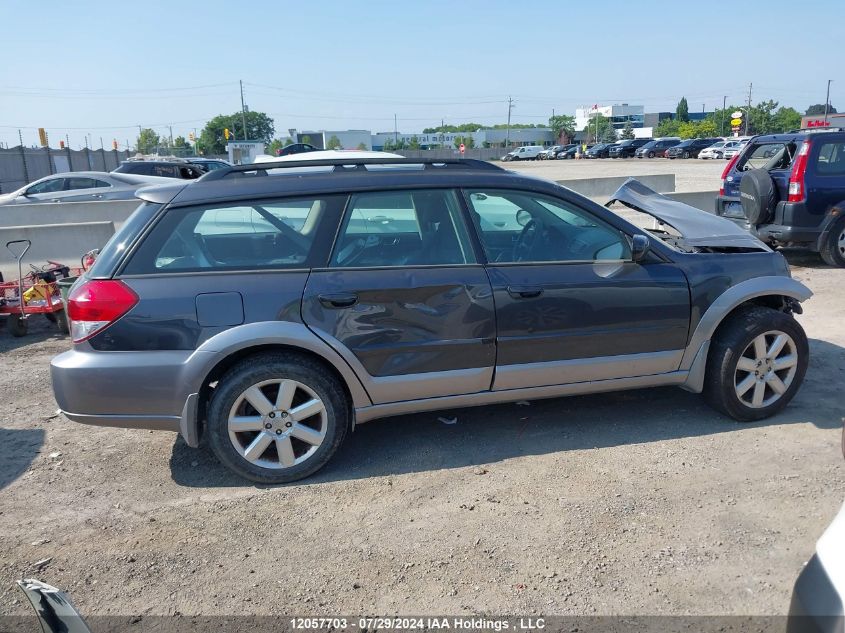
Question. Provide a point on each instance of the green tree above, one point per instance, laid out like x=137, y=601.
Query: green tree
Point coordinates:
x=334, y=143
x=147, y=141
x=668, y=127
x=706, y=129
x=596, y=129
x=362, y=146
x=608, y=135
x=468, y=141
x=306, y=139
x=687, y=129
x=818, y=108
x=787, y=119
x=259, y=127
x=563, y=125
x=627, y=131
x=682, y=111
x=180, y=142
x=414, y=142
x=275, y=145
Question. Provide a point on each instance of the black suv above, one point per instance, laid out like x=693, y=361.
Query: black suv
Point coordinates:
x=657, y=147
x=789, y=190
x=273, y=307
x=602, y=150
x=165, y=169
x=690, y=148
x=627, y=147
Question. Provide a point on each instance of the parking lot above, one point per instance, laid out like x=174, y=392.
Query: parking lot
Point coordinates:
x=641, y=502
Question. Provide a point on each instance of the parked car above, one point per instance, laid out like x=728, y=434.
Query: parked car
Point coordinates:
x=789, y=190
x=819, y=593
x=209, y=164
x=549, y=152
x=562, y=149
x=570, y=151
x=734, y=147
x=80, y=186
x=602, y=150
x=407, y=285
x=716, y=150
x=656, y=147
x=161, y=168
x=689, y=148
x=296, y=148
x=627, y=147
x=526, y=152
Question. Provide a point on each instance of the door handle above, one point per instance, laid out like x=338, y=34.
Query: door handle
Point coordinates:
x=524, y=292
x=338, y=300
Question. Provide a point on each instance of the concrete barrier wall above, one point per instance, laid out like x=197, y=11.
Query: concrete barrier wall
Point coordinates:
x=64, y=243
x=598, y=187
x=114, y=211
x=704, y=200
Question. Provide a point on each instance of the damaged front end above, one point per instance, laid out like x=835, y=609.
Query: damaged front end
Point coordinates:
x=683, y=227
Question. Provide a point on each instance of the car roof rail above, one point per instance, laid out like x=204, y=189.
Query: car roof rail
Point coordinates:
x=343, y=164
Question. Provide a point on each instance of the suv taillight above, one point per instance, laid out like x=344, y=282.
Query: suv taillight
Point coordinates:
x=96, y=304
x=796, y=176
x=726, y=171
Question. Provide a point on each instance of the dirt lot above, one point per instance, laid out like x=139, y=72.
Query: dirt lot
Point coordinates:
x=640, y=502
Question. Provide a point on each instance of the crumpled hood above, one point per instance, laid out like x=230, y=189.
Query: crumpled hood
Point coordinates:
x=697, y=227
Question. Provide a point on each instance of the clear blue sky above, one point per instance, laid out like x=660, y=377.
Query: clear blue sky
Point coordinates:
x=105, y=67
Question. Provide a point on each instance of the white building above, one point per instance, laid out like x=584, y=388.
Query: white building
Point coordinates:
x=618, y=114
x=349, y=139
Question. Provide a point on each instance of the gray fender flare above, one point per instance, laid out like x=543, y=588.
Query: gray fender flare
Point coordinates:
x=834, y=214
x=241, y=337
x=695, y=357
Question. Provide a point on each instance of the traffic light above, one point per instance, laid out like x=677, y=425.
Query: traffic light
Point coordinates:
x=61, y=144
x=42, y=136
x=114, y=144
x=191, y=137
x=226, y=133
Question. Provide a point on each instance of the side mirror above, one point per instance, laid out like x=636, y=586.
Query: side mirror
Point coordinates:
x=640, y=246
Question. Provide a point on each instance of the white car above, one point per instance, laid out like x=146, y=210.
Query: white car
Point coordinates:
x=82, y=186
x=324, y=155
x=716, y=150
x=732, y=148
x=526, y=152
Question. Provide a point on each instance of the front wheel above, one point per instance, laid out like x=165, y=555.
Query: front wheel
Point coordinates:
x=833, y=249
x=17, y=326
x=685, y=155
x=756, y=364
x=277, y=418
x=651, y=154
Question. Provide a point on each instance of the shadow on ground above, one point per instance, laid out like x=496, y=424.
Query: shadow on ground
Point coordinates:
x=482, y=435
x=38, y=329
x=18, y=449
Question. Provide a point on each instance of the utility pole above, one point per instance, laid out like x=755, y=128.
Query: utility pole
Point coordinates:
x=101, y=143
x=748, y=110
x=827, y=101
x=722, y=121
x=243, y=109
x=171, y=136
x=508, y=134
x=395, y=131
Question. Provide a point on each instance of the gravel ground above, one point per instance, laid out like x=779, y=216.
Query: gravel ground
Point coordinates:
x=642, y=502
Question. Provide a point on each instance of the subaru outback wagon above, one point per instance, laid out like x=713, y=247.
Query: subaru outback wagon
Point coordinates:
x=273, y=307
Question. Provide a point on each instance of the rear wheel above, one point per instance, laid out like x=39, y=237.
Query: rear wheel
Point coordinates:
x=277, y=418
x=17, y=325
x=756, y=364
x=651, y=154
x=833, y=249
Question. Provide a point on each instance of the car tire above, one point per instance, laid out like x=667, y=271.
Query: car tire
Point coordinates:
x=747, y=343
x=758, y=196
x=236, y=427
x=833, y=248
x=651, y=154
x=717, y=155
x=685, y=155
x=17, y=325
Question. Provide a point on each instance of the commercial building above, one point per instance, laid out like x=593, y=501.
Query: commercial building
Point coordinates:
x=619, y=115
x=355, y=139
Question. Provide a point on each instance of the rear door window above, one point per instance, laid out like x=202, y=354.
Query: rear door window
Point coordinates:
x=768, y=156
x=246, y=235
x=85, y=183
x=831, y=160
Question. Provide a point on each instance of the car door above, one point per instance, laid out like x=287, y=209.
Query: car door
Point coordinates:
x=571, y=305
x=82, y=188
x=825, y=179
x=403, y=298
x=47, y=190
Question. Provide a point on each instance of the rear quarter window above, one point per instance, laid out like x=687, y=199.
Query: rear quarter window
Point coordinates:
x=831, y=160
x=115, y=249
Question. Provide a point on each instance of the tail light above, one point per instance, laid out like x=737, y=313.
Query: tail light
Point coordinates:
x=726, y=171
x=796, y=176
x=95, y=305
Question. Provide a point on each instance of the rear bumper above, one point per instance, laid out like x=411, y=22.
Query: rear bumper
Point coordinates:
x=143, y=390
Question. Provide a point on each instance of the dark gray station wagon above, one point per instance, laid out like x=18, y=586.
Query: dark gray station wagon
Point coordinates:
x=274, y=306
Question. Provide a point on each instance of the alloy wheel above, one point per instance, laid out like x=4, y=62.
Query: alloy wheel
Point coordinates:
x=840, y=244
x=277, y=423
x=766, y=369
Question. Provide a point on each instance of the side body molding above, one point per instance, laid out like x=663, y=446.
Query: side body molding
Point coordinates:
x=695, y=356
x=288, y=333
